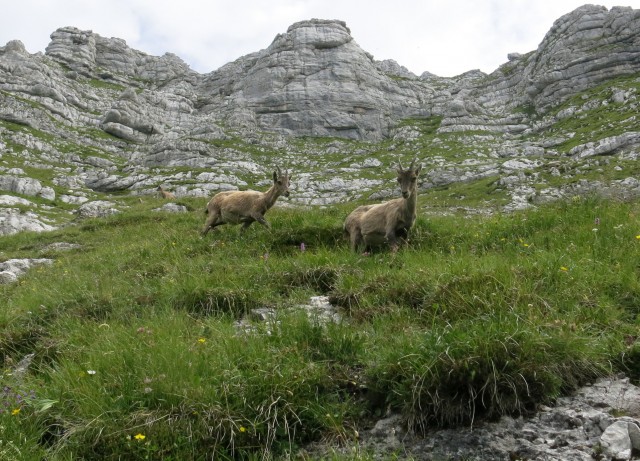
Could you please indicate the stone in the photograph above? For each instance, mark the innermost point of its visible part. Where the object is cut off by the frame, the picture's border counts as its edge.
(12, 269)
(26, 186)
(10, 200)
(13, 221)
(62, 246)
(7, 277)
(172, 208)
(616, 441)
(97, 209)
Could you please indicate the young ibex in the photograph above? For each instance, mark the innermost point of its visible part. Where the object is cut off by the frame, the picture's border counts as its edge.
(165, 194)
(388, 222)
(236, 207)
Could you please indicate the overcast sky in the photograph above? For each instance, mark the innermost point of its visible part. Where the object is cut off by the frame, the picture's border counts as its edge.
(444, 37)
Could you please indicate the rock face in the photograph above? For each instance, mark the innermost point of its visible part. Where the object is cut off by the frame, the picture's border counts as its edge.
(315, 80)
(583, 48)
(91, 116)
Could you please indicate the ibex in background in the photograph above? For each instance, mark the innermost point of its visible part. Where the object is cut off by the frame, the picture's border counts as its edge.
(165, 194)
(388, 222)
(245, 207)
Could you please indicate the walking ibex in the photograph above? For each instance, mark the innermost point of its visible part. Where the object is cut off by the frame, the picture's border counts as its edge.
(388, 222)
(245, 207)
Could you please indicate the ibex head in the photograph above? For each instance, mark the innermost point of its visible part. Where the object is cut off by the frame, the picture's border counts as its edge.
(281, 182)
(407, 178)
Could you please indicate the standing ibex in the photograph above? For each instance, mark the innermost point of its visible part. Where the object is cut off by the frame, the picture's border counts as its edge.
(235, 207)
(165, 193)
(388, 222)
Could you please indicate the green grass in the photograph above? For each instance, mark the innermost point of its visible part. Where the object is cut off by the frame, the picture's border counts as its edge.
(135, 333)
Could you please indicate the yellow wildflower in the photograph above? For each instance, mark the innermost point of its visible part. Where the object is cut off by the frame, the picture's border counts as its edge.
(243, 429)
(202, 340)
(15, 412)
(139, 436)
(564, 269)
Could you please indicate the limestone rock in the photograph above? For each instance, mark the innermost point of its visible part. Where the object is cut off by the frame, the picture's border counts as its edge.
(12, 269)
(316, 80)
(617, 440)
(13, 221)
(172, 208)
(97, 209)
(26, 186)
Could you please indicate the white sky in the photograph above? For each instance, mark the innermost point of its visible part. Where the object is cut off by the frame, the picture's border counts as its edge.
(444, 37)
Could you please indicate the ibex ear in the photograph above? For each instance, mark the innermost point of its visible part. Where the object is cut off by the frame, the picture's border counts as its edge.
(275, 176)
(418, 168)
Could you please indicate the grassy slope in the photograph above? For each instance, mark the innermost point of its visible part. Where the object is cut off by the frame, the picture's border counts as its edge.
(134, 333)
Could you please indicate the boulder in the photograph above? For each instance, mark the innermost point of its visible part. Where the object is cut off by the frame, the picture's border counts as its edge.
(12, 269)
(97, 209)
(13, 221)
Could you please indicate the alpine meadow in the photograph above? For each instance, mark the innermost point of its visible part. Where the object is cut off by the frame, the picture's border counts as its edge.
(129, 333)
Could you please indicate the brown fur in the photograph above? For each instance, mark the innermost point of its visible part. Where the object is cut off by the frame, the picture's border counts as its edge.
(388, 222)
(165, 194)
(245, 207)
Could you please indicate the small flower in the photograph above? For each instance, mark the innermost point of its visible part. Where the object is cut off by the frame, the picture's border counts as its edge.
(564, 269)
(243, 429)
(597, 221)
(202, 340)
(595, 229)
(637, 237)
(15, 412)
(140, 437)
(302, 247)
(91, 372)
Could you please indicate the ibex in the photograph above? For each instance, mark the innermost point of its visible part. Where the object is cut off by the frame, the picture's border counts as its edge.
(388, 222)
(165, 194)
(245, 207)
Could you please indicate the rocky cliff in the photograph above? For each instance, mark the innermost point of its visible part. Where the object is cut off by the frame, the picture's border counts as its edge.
(91, 116)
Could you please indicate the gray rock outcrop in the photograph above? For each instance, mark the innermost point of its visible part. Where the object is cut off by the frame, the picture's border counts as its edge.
(13, 220)
(315, 80)
(91, 116)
